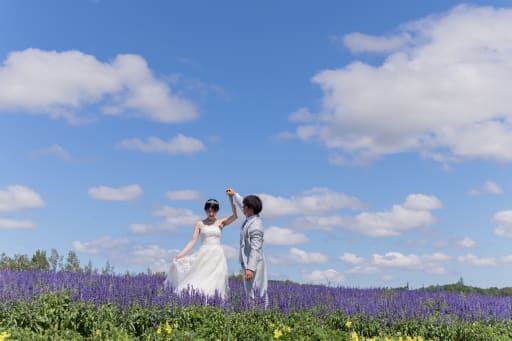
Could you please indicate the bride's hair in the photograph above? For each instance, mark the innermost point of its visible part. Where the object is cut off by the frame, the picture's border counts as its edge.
(211, 203)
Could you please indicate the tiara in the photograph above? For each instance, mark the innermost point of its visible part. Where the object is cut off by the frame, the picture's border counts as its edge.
(212, 201)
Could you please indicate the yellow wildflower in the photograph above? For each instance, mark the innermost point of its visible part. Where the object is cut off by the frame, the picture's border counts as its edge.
(159, 331)
(287, 329)
(348, 324)
(4, 335)
(354, 337)
(168, 328)
(277, 334)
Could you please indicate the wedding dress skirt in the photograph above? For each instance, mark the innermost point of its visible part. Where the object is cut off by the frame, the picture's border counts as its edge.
(205, 270)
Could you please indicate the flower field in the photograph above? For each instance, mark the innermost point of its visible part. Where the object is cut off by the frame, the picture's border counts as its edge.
(36, 305)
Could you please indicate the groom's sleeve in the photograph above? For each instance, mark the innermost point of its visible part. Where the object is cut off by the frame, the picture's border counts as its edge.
(239, 200)
(256, 242)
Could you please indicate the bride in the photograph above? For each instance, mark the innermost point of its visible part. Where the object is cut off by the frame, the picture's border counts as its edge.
(205, 270)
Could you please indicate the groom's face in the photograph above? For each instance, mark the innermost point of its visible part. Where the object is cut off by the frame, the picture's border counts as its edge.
(247, 211)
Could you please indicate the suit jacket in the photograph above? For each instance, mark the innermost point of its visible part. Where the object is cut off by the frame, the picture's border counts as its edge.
(251, 252)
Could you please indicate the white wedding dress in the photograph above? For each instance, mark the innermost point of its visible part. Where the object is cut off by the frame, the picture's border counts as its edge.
(205, 270)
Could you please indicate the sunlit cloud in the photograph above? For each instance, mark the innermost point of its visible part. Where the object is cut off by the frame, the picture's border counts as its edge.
(413, 213)
(324, 277)
(18, 197)
(125, 193)
(489, 187)
(466, 242)
(174, 218)
(54, 150)
(282, 236)
(122, 251)
(478, 261)
(351, 258)
(504, 221)
(440, 92)
(433, 264)
(13, 224)
(297, 256)
(60, 84)
(316, 200)
(186, 194)
(180, 144)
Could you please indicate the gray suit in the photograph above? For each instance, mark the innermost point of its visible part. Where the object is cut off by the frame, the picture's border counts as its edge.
(251, 255)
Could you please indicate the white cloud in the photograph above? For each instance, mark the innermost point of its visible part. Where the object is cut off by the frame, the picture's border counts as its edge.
(441, 91)
(180, 144)
(185, 194)
(11, 224)
(351, 258)
(231, 252)
(173, 219)
(415, 212)
(317, 200)
(297, 256)
(429, 263)
(477, 261)
(283, 136)
(489, 187)
(282, 236)
(325, 277)
(421, 202)
(177, 216)
(359, 42)
(365, 269)
(387, 278)
(302, 115)
(473, 192)
(492, 188)
(466, 242)
(323, 223)
(126, 252)
(504, 221)
(54, 150)
(142, 228)
(126, 193)
(96, 246)
(397, 260)
(60, 83)
(18, 197)
(401, 218)
(432, 264)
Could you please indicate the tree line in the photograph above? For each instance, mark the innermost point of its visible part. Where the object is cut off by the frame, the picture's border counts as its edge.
(53, 262)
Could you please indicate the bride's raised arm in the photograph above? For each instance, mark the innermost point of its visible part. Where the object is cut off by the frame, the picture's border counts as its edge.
(233, 215)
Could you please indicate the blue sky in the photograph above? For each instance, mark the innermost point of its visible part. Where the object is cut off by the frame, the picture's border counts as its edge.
(378, 135)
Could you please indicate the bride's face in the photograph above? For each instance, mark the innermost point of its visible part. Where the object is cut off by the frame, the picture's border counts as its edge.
(210, 213)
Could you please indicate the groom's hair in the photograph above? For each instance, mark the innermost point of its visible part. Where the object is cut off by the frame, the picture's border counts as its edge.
(254, 202)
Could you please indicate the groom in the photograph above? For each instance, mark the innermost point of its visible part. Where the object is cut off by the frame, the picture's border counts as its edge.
(252, 260)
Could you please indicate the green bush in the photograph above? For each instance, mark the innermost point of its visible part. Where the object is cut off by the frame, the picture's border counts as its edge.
(54, 316)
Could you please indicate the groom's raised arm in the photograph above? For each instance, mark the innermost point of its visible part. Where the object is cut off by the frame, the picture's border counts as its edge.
(239, 200)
